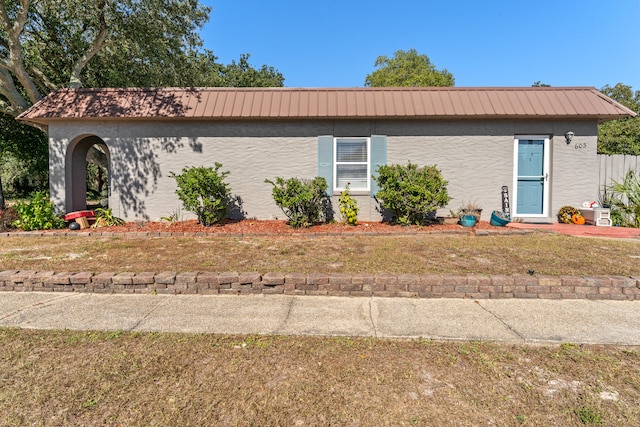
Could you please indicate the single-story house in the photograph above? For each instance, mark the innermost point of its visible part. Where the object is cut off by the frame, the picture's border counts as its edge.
(540, 142)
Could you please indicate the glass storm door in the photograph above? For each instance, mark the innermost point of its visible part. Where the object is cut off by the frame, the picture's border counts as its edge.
(531, 176)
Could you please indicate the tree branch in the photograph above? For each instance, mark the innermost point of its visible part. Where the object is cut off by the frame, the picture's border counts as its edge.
(15, 60)
(17, 102)
(98, 43)
(5, 64)
(4, 17)
(13, 31)
(43, 80)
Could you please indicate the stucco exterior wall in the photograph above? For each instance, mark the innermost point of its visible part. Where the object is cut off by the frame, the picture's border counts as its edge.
(475, 157)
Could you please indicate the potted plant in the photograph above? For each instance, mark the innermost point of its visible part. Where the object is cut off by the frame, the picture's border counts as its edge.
(468, 220)
(499, 219)
(470, 208)
(452, 218)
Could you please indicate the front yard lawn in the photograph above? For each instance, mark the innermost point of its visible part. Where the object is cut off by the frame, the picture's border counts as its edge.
(130, 379)
(412, 254)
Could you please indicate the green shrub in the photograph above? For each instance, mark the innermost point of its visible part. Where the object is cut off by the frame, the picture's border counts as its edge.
(411, 194)
(203, 191)
(348, 207)
(301, 200)
(106, 218)
(37, 213)
(624, 200)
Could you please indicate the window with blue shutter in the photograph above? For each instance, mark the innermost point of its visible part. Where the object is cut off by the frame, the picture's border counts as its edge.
(325, 160)
(351, 161)
(378, 158)
(351, 164)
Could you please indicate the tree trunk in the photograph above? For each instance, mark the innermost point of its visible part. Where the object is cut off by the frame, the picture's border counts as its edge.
(2, 204)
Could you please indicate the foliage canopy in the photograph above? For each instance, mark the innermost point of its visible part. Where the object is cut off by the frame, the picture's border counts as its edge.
(49, 44)
(621, 136)
(407, 68)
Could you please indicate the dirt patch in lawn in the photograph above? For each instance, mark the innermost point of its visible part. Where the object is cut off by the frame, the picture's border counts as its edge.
(117, 378)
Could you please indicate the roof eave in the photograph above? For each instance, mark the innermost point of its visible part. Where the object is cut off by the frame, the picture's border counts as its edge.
(36, 122)
(45, 121)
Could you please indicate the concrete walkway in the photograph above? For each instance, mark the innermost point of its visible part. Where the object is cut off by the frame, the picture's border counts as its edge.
(504, 320)
(581, 230)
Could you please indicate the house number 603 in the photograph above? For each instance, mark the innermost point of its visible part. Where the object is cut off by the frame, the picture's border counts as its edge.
(580, 146)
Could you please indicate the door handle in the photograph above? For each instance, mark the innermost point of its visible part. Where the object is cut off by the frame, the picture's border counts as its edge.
(546, 176)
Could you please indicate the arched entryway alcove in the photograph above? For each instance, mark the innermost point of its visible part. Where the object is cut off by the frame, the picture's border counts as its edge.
(81, 152)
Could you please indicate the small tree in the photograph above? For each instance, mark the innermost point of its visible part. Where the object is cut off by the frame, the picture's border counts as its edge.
(301, 200)
(203, 191)
(411, 193)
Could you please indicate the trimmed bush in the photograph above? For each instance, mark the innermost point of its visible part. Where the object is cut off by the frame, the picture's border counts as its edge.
(301, 200)
(203, 191)
(37, 213)
(411, 194)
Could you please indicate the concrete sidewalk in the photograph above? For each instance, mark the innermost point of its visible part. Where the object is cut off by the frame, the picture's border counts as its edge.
(580, 230)
(510, 321)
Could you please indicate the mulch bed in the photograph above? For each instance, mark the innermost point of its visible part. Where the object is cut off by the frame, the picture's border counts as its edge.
(274, 227)
(281, 227)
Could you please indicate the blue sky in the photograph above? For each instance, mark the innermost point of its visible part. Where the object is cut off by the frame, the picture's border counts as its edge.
(334, 43)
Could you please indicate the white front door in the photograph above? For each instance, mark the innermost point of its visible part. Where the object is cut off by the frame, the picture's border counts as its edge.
(531, 176)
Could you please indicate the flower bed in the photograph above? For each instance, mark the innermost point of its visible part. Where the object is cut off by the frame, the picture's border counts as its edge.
(267, 227)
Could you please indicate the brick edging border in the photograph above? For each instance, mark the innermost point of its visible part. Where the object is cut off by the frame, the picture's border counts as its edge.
(142, 234)
(361, 284)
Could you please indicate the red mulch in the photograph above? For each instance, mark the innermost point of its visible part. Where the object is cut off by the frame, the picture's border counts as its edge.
(259, 227)
(262, 227)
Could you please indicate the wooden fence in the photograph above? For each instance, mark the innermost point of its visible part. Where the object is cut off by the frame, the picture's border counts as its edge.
(615, 167)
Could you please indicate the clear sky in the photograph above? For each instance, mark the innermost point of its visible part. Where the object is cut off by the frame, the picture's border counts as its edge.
(334, 43)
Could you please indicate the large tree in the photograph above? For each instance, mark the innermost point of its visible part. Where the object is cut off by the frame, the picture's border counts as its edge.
(49, 44)
(621, 136)
(407, 68)
(241, 74)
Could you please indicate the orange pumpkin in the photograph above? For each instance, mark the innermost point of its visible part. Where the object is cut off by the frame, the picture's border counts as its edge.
(577, 219)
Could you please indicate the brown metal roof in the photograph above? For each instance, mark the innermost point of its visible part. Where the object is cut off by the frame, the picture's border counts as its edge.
(317, 103)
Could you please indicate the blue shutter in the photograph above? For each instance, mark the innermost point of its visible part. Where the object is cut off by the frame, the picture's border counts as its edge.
(325, 160)
(378, 158)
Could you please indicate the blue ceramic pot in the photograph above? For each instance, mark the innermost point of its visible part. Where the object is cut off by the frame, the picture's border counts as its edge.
(498, 219)
(468, 220)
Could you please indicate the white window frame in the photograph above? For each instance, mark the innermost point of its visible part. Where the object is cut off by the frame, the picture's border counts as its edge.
(546, 175)
(336, 163)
